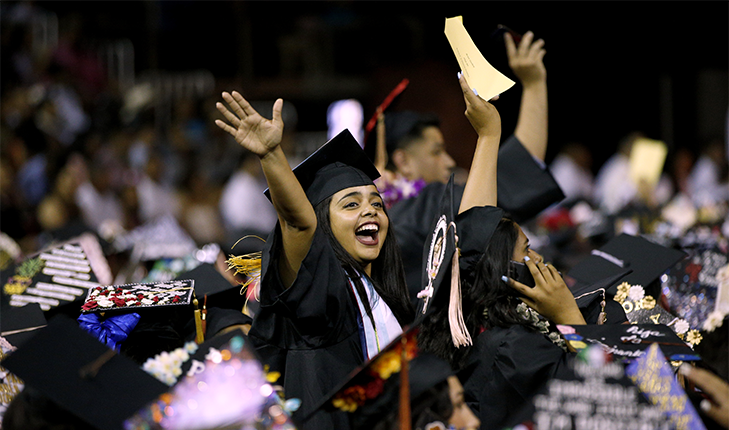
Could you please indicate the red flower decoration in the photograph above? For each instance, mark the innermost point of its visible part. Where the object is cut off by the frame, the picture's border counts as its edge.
(91, 304)
(119, 302)
(176, 299)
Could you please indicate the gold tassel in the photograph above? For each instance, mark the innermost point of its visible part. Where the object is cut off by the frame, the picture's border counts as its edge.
(199, 334)
(459, 332)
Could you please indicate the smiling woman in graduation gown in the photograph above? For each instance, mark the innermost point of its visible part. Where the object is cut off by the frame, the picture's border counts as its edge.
(332, 290)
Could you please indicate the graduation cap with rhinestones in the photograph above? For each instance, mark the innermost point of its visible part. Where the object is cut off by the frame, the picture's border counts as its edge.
(338, 164)
(225, 386)
(81, 375)
(57, 278)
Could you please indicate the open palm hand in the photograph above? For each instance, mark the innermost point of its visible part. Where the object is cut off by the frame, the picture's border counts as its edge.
(252, 131)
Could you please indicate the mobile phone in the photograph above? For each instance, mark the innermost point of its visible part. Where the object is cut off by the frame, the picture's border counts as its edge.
(519, 272)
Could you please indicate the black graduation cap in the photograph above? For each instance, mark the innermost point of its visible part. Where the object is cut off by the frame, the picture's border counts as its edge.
(592, 297)
(647, 260)
(220, 292)
(373, 391)
(438, 252)
(18, 324)
(57, 278)
(80, 374)
(629, 341)
(569, 399)
(338, 164)
(223, 385)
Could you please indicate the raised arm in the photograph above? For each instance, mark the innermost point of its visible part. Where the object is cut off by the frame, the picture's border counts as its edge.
(480, 189)
(263, 137)
(526, 61)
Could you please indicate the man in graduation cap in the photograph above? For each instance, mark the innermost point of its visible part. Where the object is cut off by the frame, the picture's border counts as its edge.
(416, 152)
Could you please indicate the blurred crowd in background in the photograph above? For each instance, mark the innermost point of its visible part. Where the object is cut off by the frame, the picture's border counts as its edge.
(85, 150)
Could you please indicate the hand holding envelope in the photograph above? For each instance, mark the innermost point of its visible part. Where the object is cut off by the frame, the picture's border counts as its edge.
(484, 79)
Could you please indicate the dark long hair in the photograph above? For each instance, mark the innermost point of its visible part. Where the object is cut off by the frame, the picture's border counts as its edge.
(388, 273)
(482, 290)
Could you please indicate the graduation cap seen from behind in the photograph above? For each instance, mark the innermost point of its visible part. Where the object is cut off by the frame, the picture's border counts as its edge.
(647, 260)
(211, 283)
(570, 401)
(80, 374)
(338, 164)
(18, 324)
(592, 297)
(58, 277)
(224, 385)
(375, 391)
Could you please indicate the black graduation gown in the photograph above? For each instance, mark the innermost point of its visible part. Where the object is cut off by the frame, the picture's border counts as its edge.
(308, 332)
(505, 369)
(524, 189)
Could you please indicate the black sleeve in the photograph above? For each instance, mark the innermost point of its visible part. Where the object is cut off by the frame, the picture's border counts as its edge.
(525, 188)
(316, 310)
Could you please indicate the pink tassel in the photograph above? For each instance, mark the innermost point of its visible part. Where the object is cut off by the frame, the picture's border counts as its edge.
(459, 332)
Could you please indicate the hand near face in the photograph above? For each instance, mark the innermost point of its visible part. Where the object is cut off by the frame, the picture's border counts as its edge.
(550, 296)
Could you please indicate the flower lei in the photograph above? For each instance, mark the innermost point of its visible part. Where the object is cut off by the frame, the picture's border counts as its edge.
(398, 189)
(372, 382)
(167, 366)
(541, 324)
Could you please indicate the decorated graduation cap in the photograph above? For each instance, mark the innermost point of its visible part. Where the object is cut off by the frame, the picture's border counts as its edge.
(647, 260)
(440, 261)
(628, 341)
(81, 375)
(160, 238)
(626, 397)
(401, 374)
(338, 164)
(58, 277)
(224, 386)
(445, 252)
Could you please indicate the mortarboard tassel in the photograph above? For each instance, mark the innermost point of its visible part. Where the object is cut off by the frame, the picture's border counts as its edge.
(199, 334)
(405, 418)
(381, 146)
(459, 332)
(205, 316)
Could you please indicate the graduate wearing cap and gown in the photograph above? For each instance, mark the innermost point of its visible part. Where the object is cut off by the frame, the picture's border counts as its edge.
(415, 150)
(487, 328)
(332, 290)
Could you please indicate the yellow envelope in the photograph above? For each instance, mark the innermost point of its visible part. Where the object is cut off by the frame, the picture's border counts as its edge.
(482, 76)
(646, 160)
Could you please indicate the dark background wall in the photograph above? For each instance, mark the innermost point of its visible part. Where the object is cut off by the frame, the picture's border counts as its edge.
(613, 67)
